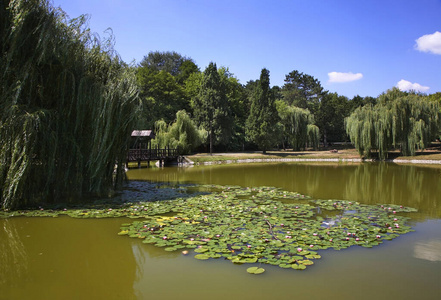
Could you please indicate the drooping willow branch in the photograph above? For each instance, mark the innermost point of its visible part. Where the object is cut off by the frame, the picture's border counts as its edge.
(67, 106)
(407, 122)
(298, 124)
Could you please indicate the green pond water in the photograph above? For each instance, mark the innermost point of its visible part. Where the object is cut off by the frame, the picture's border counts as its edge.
(67, 258)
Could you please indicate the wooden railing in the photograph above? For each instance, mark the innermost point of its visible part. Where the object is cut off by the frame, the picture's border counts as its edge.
(151, 154)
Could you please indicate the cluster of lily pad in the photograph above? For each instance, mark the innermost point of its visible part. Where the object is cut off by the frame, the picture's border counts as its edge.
(253, 225)
(261, 225)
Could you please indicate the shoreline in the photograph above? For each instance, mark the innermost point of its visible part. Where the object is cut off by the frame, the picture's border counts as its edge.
(260, 160)
(344, 156)
(339, 160)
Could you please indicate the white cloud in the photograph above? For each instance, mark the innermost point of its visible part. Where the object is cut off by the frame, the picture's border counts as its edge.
(405, 85)
(344, 77)
(429, 43)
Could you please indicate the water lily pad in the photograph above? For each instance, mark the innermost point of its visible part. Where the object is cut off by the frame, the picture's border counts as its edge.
(202, 256)
(171, 249)
(243, 260)
(306, 262)
(285, 266)
(298, 266)
(201, 250)
(214, 255)
(255, 270)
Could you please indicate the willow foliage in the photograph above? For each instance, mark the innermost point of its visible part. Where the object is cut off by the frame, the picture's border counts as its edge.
(313, 133)
(299, 126)
(182, 134)
(67, 105)
(399, 120)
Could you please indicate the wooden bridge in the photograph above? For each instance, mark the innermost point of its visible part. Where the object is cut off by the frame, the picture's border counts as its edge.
(147, 155)
(141, 150)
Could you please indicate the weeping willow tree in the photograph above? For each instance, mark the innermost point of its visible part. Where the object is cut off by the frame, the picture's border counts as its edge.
(313, 133)
(400, 120)
(298, 124)
(182, 134)
(67, 104)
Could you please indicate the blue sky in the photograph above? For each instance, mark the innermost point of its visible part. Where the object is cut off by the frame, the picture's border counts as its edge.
(352, 47)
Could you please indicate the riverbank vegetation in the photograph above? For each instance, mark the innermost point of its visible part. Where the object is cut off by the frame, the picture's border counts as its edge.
(341, 153)
(68, 105)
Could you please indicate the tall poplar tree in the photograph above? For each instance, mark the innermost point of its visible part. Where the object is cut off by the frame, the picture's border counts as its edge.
(211, 109)
(261, 123)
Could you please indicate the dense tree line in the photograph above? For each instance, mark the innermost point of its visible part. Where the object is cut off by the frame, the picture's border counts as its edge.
(235, 116)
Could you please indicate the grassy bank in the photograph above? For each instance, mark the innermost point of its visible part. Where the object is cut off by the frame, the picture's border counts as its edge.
(432, 154)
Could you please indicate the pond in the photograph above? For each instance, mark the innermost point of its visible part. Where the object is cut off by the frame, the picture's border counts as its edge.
(66, 258)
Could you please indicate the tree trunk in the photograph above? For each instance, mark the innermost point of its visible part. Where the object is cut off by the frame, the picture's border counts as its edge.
(211, 141)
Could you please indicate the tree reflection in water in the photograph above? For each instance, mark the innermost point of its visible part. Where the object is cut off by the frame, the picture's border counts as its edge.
(13, 255)
(369, 183)
(412, 186)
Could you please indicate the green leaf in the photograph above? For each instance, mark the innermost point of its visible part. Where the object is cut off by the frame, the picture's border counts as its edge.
(170, 249)
(298, 267)
(255, 270)
(201, 250)
(202, 256)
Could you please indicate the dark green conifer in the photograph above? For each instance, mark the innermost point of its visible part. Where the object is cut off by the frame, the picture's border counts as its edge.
(211, 109)
(261, 127)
